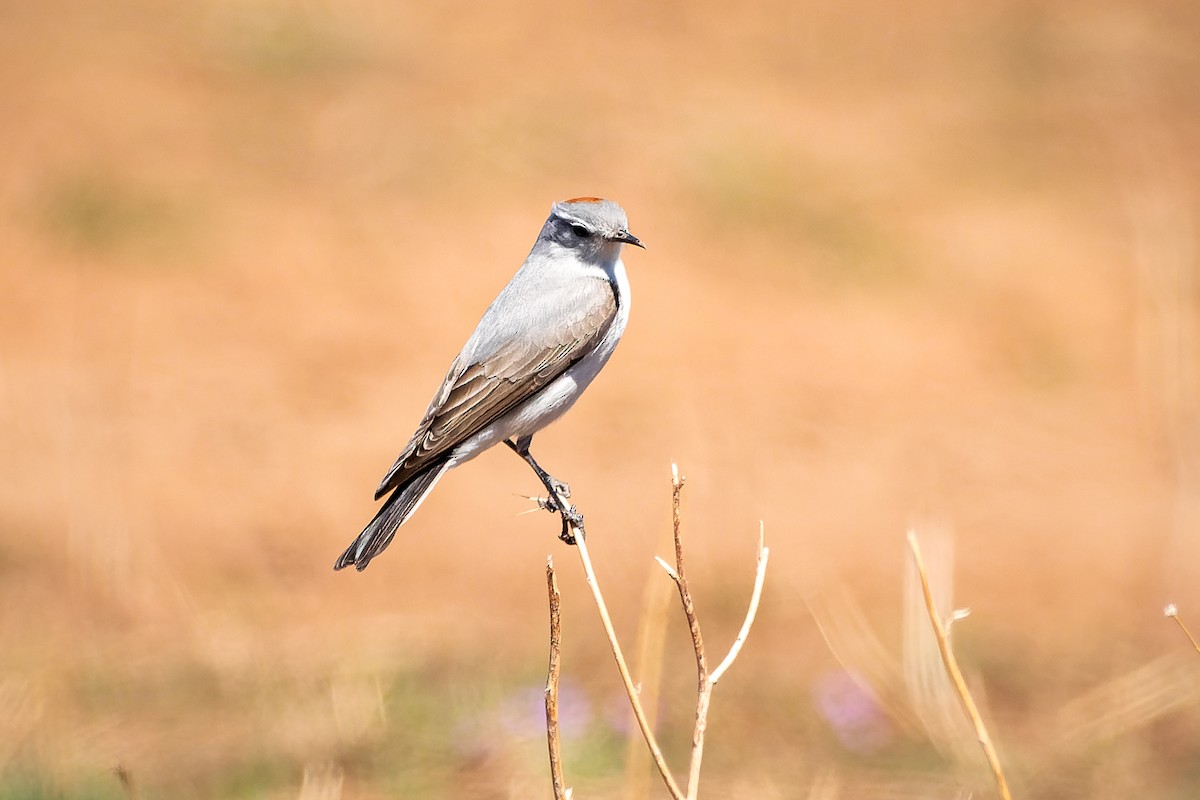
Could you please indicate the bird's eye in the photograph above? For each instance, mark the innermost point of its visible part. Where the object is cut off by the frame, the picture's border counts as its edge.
(580, 231)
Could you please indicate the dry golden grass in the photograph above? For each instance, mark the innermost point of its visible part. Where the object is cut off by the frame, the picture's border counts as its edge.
(932, 263)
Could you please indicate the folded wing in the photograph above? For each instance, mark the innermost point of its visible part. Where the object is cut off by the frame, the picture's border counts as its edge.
(542, 336)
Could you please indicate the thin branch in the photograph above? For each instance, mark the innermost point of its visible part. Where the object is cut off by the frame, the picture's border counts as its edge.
(955, 674)
(630, 689)
(760, 575)
(705, 680)
(667, 568)
(552, 739)
(1173, 612)
(703, 684)
(685, 595)
(647, 664)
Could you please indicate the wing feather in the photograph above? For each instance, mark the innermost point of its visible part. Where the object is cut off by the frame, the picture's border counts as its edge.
(478, 390)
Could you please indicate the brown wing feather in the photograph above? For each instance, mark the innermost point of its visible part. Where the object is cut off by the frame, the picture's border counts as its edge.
(476, 394)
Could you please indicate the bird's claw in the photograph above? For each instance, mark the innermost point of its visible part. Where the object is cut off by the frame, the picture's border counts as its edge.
(572, 521)
(554, 503)
(542, 504)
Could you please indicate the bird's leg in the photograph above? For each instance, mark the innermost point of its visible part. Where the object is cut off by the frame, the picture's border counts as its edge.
(559, 491)
(552, 484)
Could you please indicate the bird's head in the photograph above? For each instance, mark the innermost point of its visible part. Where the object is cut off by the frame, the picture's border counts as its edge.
(592, 228)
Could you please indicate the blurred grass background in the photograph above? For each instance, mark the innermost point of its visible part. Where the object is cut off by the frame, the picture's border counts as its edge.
(932, 266)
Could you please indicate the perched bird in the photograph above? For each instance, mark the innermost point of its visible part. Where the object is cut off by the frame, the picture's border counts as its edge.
(539, 344)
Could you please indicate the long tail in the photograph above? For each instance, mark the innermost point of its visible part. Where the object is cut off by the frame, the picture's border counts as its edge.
(391, 515)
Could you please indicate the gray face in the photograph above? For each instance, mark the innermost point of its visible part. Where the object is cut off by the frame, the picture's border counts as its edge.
(588, 226)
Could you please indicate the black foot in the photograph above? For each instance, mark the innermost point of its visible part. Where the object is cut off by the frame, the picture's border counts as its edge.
(572, 521)
(561, 489)
(571, 518)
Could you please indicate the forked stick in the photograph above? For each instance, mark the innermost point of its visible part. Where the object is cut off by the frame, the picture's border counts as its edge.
(630, 689)
(706, 680)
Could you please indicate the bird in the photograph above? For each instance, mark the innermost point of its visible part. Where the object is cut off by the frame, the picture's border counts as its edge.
(537, 347)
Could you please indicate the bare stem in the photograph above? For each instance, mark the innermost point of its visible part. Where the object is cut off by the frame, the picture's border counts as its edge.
(648, 666)
(955, 674)
(703, 684)
(552, 738)
(705, 680)
(760, 574)
(1173, 612)
(630, 688)
(680, 578)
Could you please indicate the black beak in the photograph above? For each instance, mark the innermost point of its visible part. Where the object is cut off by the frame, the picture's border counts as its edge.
(625, 237)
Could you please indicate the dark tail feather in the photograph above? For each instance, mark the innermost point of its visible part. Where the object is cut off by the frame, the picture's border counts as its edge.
(392, 514)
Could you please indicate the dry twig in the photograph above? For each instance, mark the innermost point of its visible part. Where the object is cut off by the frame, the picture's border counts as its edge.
(703, 684)
(648, 650)
(630, 689)
(955, 674)
(706, 680)
(552, 740)
(760, 575)
(1173, 612)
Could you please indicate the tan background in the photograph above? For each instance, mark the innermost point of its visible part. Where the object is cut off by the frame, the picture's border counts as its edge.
(930, 265)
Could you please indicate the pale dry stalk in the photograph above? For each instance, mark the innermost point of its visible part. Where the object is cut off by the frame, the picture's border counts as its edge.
(552, 737)
(955, 674)
(631, 691)
(705, 680)
(1173, 612)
